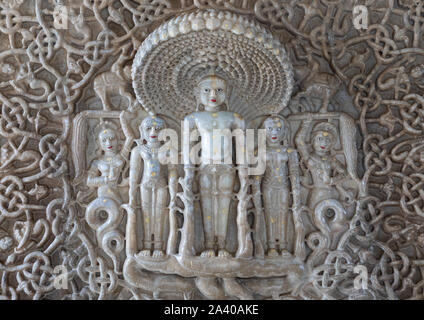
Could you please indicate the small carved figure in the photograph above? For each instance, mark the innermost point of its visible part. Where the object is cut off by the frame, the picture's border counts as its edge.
(115, 81)
(79, 22)
(9, 153)
(103, 214)
(327, 172)
(153, 186)
(6, 241)
(281, 162)
(216, 176)
(105, 171)
(316, 84)
(417, 74)
(7, 69)
(275, 189)
(26, 79)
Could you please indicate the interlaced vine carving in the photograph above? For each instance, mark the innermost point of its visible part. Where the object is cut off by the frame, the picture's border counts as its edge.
(48, 75)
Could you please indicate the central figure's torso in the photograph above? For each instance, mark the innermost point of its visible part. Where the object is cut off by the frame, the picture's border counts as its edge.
(215, 130)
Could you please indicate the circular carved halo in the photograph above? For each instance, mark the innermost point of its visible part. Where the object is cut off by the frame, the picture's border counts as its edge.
(175, 56)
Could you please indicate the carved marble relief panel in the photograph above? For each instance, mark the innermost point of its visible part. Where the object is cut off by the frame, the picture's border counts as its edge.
(211, 149)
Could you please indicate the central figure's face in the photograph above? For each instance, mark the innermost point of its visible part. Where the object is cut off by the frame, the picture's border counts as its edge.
(151, 127)
(323, 142)
(108, 140)
(275, 130)
(213, 92)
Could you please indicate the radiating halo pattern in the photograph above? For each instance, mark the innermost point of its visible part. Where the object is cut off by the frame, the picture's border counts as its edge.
(170, 61)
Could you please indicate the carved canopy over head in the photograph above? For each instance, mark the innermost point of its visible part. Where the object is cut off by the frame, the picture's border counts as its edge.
(170, 62)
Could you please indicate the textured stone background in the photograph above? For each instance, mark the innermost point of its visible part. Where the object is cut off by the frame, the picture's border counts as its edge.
(46, 79)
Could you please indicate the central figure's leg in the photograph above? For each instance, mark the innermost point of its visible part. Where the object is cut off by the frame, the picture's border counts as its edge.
(146, 206)
(225, 191)
(206, 202)
(160, 212)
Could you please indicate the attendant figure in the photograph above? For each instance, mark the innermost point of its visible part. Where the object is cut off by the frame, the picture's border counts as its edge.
(155, 179)
(327, 172)
(105, 170)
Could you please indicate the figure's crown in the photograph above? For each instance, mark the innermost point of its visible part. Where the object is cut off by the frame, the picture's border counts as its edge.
(104, 125)
(212, 72)
(325, 127)
(152, 120)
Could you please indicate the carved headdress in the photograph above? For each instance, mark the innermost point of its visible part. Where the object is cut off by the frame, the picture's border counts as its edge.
(284, 122)
(213, 72)
(104, 125)
(148, 122)
(325, 127)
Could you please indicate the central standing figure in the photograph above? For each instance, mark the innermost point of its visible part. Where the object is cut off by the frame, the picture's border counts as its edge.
(215, 126)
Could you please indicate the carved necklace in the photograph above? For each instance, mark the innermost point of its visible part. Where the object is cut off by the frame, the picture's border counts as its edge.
(110, 158)
(149, 149)
(277, 149)
(214, 114)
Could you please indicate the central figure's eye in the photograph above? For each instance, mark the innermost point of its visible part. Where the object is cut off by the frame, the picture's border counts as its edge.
(220, 90)
(148, 128)
(206, 90)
